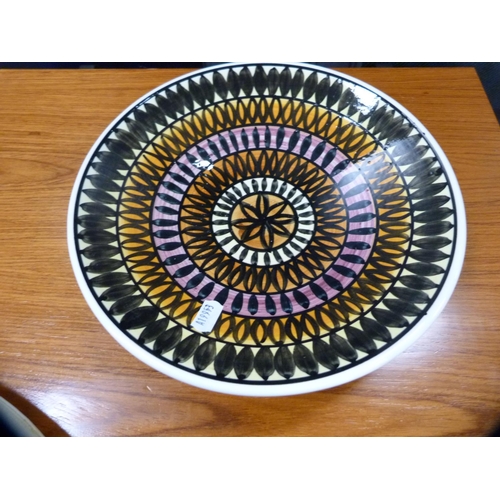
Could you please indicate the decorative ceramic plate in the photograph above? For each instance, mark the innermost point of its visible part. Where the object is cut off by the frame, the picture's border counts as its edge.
(266, 229)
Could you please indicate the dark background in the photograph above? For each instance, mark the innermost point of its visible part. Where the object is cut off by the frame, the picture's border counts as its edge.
(488, 72)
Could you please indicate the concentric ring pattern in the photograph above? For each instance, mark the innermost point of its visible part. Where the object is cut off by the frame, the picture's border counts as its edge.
(310, 207)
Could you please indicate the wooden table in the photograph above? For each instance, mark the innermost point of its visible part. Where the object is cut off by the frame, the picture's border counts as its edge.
(60, 367)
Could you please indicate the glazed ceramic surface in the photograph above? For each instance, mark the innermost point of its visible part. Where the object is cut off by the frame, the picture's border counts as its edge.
(14, 424)
(266, 229)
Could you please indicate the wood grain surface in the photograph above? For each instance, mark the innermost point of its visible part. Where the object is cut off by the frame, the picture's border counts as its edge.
(67, 374)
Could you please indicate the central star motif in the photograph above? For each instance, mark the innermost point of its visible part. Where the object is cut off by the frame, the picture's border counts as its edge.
(263, 221)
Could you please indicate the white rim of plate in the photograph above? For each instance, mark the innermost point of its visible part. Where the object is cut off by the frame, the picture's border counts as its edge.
(289, 388)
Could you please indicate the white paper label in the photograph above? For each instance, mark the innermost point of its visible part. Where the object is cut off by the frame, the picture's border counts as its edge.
(207, 316)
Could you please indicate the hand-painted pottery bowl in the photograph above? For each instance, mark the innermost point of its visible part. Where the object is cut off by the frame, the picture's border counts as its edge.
(266, 229)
